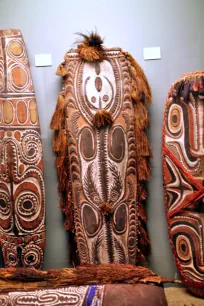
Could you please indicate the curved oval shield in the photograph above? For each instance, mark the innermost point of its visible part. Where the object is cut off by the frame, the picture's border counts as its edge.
(22, 196)
(183, 174)
(103, 153)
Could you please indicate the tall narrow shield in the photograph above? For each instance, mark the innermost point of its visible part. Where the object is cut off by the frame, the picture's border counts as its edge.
(22, 198)
(183, 170)
(102, 153)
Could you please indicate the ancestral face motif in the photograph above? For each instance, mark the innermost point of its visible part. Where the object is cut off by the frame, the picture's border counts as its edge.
(98, 88)
(102, 161)
(22, 203)
(183, 146)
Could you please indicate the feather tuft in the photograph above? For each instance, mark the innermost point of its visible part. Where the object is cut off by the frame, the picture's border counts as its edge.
(58, 117)
(102, 118)
(93, 39)
(91, 47)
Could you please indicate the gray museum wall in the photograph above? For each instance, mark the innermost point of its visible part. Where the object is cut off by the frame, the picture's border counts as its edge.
(48, 26)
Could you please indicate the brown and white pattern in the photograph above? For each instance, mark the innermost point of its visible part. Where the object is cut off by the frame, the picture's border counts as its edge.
(183, 167)
(22, 195)
(103, 169)
(107, 295)
(102, 153)
(73, 296)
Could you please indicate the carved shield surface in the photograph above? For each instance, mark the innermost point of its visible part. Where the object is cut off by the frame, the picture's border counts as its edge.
(183, 169)
(93, 295)
(102, 161)
(103, 195)
(22, 196)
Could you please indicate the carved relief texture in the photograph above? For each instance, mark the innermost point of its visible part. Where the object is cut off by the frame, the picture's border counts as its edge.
(183, 169)
(22, 203)
(104, 191)
(68, 296)
(121, 294)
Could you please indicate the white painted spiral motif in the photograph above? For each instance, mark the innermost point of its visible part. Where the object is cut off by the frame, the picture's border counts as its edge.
(10, 253)
(72, 296)
(32, 256)
(5, 205)
(31, 147)
(28, 206)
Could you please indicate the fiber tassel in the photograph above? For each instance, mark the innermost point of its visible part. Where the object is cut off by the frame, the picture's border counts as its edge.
(142, 212)
(142, 190)
(59, 141)
(69, 215)
(143, 169)
(55, 142)
(142, 144)
(141, 95)
(60, 147)
(141, 261)
(143, 238)
(102, 118)
(57, 119)
(141, 123)
(63, 141)
(61, 164)
(141, 116)
(140, 84)
(144, 241)
(61, 71)
(64, 189)
(28, 279)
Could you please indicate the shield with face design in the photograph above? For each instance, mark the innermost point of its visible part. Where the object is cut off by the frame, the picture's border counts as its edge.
(183, 170)
(22, 195)
(102, 153)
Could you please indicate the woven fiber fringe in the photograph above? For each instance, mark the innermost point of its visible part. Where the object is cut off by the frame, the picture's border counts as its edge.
(141, 96)
(91, 49)
(60, 148)
(30, 279)
(140, 86)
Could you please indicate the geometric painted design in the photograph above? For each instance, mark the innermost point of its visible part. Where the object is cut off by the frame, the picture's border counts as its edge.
(22, 194)
(69, 296)
(183, 171)
(94, 295)
(102, 161)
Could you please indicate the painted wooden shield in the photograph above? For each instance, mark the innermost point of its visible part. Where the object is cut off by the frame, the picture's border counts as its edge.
(183, 170)
(22, 202)
(103, 169)
(92, 295)
(102, 154)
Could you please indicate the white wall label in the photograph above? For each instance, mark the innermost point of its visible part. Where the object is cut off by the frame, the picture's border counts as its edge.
(43, 60)
(152, 53)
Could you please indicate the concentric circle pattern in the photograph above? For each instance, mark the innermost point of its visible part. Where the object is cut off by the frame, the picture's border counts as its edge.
(183, 170)
(32, 256)
(22, 194)
(31, 146)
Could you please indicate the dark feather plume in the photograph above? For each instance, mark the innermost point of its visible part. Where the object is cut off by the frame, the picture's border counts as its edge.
(92, 39)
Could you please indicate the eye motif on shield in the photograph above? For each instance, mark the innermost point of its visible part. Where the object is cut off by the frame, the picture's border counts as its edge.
(104, 160)
(98, 87)
(99, 91)
(103, 157)
(183, 168)
(22, 201)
